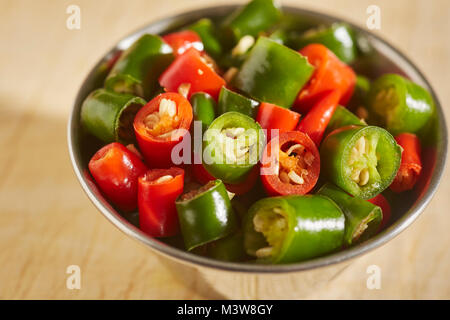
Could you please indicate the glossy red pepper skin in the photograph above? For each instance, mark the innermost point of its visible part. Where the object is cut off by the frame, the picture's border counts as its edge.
(116, 170)
(381, 201)
(271, 116)
(411, 165)
(316, 120)
(183, 40)
(157, 213)
(330, 74)
(269, 173)
(157, 150)
(191, 68)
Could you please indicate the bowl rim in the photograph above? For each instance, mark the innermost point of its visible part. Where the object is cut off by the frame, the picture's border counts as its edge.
(185, 257)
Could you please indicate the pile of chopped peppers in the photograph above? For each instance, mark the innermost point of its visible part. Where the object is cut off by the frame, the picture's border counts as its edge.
(287, 153)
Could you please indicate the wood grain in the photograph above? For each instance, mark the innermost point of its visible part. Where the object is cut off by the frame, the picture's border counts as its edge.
(47, 223)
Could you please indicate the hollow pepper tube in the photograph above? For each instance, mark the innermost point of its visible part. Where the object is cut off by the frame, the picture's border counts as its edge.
(338, 38)
(398, 104)
(194, 69)
(330, 74)
(109, 115)
(361, 160)
(158, 190)
(256, 16)
(183, 40)
(275, 119)
(138, 68)
(205, 215)
(204, 108)
(273, 73)
(160, 125)
(116, 170)
(208, 33)
(342, 117)
(411, 164)
(233, 101)
(316, 120)
(362, 218)
(290, 164)
(232, 146)
(293, 228)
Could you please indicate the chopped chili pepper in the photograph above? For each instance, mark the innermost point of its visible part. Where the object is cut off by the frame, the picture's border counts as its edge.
(160, 125)
(208, 33)
(193, 68)
(316, 120)
(290, 164)
(233, 101)
(203, 107)
(342, 117)
(116, 170)
(183, 40)
(411, 165)
(158, 190)
(381, 201)
(272, 117)
(330, 74)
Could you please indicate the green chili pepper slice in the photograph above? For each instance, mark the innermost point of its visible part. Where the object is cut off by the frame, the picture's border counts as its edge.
(232, 146)
(293, 228)
(362, 218)
(273, 73)
(361, 160)
(109, 115)
(230, 248)
(233, 101)
(208, 33)
(342, 117)
(338, 38)
(205, 214)
(256, 16)
(399, 105)
(203, 107)
(139, 67)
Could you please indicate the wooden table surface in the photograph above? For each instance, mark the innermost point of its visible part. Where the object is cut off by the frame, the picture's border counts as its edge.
(46, 221)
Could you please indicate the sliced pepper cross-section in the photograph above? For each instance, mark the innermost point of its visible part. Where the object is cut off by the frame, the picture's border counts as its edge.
(160, 125)
(293, 228)
(195, 69)
(290, 164)
(205, 214)
(273, 73)
(361, 160)
(232, 146)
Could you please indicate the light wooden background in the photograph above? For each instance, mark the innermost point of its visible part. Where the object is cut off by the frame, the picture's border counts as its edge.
(46, 221)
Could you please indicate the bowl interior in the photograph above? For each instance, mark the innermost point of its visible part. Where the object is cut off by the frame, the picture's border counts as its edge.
(384, 59)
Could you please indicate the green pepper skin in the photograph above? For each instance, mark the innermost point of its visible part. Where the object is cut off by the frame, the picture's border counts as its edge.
(273, 73)
(315, 226)
(342, 117)
(139, 67)
(207, 32)
(203, 107)
(109, 115)
(360, 93)
(382, 160)
(213, 156)
(338, 38)
(206, 217)
(406, 109)
(256, 16)
(230, 248)
(357, 213)
(233, 101)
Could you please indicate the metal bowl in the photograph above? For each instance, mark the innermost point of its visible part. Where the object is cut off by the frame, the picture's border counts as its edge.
(298, 277)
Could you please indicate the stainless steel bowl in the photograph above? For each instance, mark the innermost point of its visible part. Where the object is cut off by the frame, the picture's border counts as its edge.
(217, 278)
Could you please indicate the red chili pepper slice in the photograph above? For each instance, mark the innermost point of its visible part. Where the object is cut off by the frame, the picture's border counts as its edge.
(330, 74)
(116, 170)
(271, 116)
(290, 164)
(316, 120)
(381, 201)
(183, 40)
(411, 164)
(158, 127)
(193, 68)
(158, 190)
